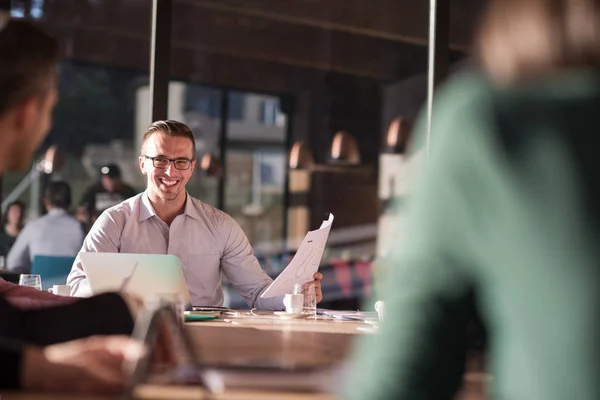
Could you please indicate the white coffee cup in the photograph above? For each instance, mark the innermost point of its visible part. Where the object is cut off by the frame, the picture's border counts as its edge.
(293, 303)
(61, 290)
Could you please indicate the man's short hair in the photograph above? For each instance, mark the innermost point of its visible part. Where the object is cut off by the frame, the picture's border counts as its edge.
(58, 194)
(170, 128)
(28, 58)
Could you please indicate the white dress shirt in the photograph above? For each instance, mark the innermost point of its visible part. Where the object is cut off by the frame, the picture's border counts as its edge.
(55, 234)
(206, 240)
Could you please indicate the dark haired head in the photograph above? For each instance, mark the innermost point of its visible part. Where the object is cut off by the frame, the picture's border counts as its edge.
(27, 64)
(58, 194)
(28, 90)
(170, 128)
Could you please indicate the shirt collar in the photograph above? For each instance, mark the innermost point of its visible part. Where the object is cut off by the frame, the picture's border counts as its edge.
(147, 211)
(190, 208)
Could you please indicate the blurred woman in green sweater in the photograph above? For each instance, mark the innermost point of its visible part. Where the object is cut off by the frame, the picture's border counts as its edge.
(505, 217)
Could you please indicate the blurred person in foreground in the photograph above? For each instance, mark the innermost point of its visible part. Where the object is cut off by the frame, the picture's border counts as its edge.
(505, 217)
(32, 322)
(13, 222)
(108, 192)
(55, 234)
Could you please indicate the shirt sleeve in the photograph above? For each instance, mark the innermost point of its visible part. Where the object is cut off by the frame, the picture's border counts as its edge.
(105, 314)
(19, 257)
(242, 269)
(421, 349)
(104, 237)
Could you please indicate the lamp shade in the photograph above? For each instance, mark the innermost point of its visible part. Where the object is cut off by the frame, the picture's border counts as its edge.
(344, 149)
(397, 136)
(300, 156)
(209, 165)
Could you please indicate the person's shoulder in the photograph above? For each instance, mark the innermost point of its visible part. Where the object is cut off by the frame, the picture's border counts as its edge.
(210, 213)
(124, 208)
(205, 208)
(465, 89)
(456, 102)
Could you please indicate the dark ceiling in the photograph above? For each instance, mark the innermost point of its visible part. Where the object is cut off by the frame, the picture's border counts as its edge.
(225, 41)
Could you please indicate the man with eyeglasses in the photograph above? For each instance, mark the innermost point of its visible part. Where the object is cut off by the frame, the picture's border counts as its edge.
(165, 219)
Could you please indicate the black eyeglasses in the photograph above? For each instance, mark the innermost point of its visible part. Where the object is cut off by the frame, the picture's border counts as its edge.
(163, 162)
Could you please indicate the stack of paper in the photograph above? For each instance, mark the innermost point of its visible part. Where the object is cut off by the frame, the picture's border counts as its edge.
(304, 264)
(349, 315)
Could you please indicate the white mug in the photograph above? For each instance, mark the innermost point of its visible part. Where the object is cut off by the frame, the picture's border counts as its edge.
(61, 290)
(293, 303)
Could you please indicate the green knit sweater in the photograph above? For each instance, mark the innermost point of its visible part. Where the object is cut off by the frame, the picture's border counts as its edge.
(505, 217)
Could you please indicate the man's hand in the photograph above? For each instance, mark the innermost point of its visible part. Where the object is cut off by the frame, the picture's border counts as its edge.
(317, 282)
(87, 365)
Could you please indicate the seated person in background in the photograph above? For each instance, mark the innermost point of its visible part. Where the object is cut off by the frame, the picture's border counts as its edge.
(165, 219)
(28, 95)
(13, 221)
(55, 234)
(110, 191)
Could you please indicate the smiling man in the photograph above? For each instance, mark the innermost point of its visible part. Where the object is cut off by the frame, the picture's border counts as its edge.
(165, 219)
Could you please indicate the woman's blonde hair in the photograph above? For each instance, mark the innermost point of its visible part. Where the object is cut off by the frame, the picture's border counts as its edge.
(523, 39)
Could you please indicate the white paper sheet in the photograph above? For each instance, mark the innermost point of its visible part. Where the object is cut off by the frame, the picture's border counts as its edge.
(304, 264)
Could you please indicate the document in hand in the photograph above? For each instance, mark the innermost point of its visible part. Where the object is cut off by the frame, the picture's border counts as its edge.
(304, 264)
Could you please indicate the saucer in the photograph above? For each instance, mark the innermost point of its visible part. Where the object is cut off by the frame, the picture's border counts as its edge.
(286, 315)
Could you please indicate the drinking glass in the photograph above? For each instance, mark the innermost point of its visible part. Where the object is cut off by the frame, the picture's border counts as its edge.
(31, 280)
(310, 299)
(177, 302)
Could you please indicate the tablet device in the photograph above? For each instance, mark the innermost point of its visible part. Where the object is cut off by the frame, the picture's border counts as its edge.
(210, 309)
(216, 378)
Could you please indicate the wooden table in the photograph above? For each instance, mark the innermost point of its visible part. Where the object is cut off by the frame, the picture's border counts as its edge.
(304, 342)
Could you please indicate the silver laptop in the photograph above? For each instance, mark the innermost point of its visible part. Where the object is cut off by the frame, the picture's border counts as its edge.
(143, 275)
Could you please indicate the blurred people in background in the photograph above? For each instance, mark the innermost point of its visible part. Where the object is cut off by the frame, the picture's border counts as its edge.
(108, 192)
(28, 94)
(13, 221)
(55, 234)
(505, 218)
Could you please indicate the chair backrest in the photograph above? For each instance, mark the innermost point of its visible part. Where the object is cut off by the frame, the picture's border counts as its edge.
(53, 269)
